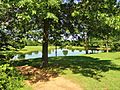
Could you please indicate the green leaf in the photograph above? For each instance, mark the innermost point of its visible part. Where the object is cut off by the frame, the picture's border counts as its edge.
(33, 12)
(52, 16)
(53, 3)
(75, 13)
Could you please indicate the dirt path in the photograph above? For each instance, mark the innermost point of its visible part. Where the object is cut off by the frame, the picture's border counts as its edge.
(58, 83)
(40, 79)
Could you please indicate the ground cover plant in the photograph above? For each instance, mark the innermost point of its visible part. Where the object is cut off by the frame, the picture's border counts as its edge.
(10, 78)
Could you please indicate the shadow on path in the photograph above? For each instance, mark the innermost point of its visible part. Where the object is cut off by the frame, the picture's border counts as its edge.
(87, 66)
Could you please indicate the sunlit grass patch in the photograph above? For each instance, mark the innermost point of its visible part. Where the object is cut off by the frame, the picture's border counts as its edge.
(92, 72)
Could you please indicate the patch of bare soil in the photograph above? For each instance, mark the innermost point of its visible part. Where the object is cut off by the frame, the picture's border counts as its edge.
(35, 75)
(42, 79)
(58, 83)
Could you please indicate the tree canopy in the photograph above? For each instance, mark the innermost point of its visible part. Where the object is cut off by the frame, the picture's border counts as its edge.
(52, 19)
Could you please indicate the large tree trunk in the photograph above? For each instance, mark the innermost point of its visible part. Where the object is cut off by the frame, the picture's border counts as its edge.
(45, 44)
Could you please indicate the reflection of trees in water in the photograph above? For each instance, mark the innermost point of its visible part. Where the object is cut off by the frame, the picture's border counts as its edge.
(94, 51)
(65, 52)
(49, 51)
(36, 52)
(72, 50)
(80, 50)
(30, 53)
(21, 56)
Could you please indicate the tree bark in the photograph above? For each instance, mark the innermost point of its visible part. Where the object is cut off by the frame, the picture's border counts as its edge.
(45, 44)
(56, 50)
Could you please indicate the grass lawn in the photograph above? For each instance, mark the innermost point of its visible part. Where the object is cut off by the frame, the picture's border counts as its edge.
(28, 49)
(91, 72)
(75, 47)
(101, 74)
(26, 87)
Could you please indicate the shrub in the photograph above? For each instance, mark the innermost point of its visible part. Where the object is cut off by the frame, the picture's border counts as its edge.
(116, 47)
(10, 79)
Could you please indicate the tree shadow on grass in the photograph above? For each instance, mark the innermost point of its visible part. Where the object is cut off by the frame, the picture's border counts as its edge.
(87, 66)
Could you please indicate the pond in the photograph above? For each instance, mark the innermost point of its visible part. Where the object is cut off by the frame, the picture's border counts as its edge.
(53, 53)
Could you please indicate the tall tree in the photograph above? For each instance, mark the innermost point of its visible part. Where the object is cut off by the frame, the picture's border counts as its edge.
(44, 13)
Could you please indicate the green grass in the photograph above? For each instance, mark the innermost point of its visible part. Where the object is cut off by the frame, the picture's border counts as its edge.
(28, 49)
(109, 79)
(75, 47)
(91, 72)
(83, 48)
(26, 87)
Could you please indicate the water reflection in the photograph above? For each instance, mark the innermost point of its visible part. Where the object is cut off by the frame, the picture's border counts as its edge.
(30, 53)
(65, 52)
(72, 50)
(36, 52)
(52, 53)
(80, 50)
(21, 56)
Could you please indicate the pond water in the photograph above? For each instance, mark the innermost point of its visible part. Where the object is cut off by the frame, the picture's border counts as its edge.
(52, 53)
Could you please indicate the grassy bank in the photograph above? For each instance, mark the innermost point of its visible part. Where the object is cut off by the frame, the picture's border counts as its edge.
(39, 48)
(91, 72)
(75, 47)
(28, 49)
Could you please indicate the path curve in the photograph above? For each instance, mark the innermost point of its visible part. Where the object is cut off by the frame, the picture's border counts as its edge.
(58, 83)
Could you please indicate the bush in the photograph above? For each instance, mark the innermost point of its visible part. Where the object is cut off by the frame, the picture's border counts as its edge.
(116, 47)
(10, 79)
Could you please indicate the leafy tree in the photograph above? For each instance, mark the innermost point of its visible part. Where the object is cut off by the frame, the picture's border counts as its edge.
(95, 19)
(46, 19)
(25, 16)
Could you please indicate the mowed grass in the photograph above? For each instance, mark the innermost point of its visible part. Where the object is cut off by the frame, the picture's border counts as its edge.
(75, 47)
(106, 75)
(28, 49)
(92, 72)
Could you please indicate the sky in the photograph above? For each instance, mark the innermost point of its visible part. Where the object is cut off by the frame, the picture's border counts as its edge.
(118, 0)
(76, 1)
